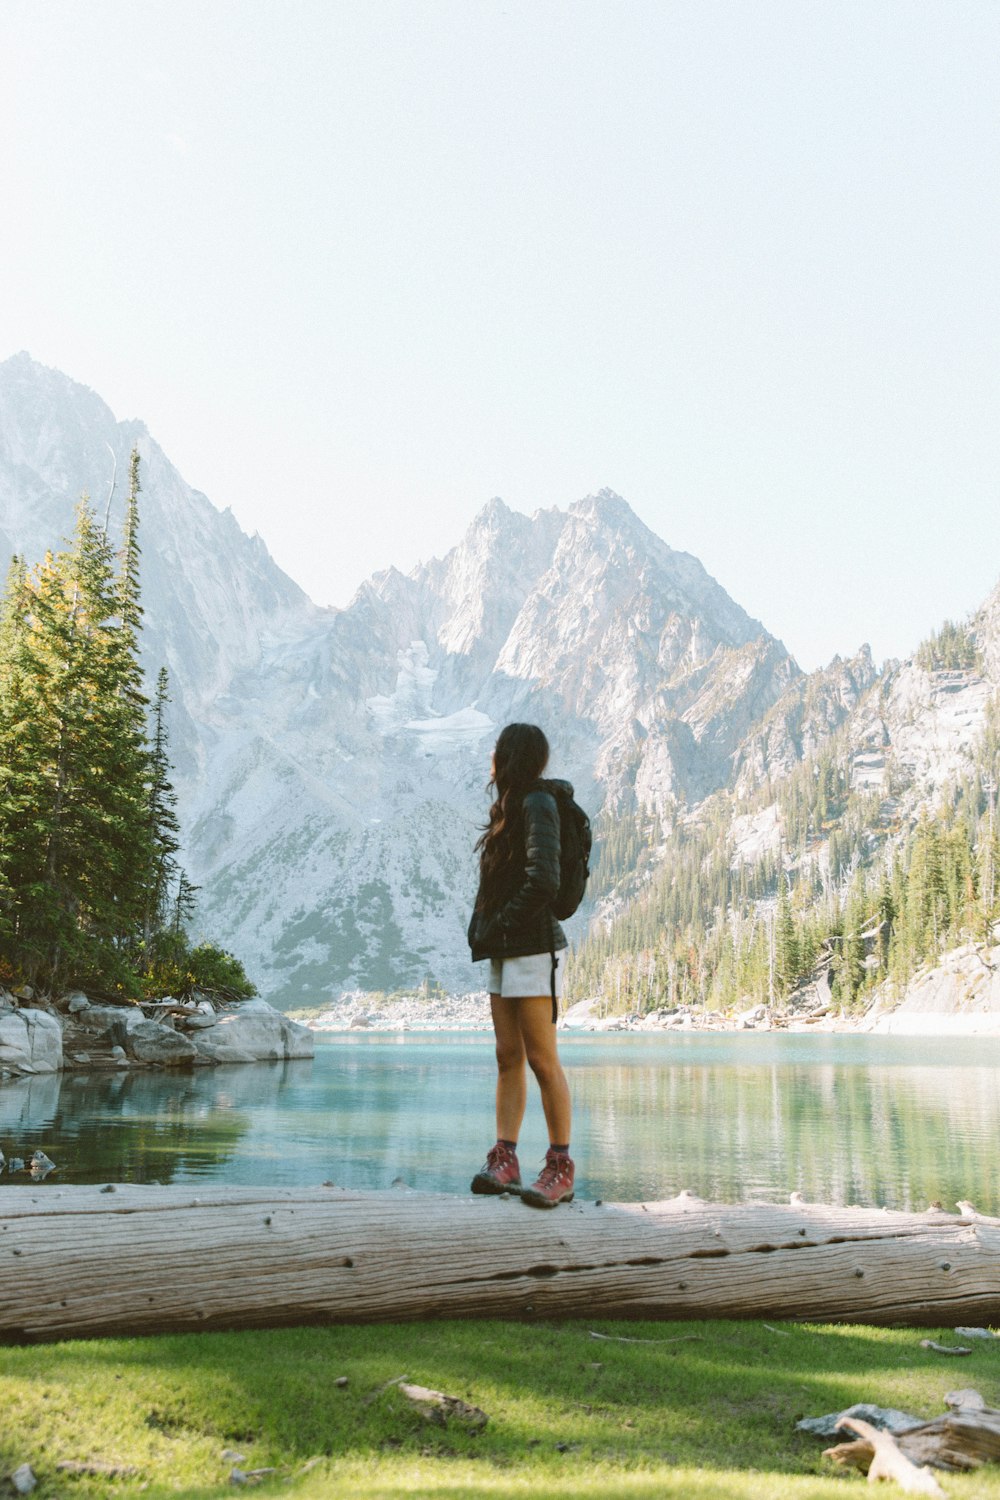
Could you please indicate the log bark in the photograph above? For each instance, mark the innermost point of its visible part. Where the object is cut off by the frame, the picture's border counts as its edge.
(82, 1261)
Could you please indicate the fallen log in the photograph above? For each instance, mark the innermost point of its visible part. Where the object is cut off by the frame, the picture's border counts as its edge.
(83, 1261)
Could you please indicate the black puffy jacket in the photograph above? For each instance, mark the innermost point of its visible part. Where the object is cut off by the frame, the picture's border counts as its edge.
(519, 921)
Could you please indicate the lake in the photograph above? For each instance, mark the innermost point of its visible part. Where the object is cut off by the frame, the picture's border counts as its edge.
(891, 1121)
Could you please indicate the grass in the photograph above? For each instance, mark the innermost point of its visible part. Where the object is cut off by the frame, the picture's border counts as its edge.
(707, 1411)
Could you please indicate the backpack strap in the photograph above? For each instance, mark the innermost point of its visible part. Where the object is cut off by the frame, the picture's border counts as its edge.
(555, 965)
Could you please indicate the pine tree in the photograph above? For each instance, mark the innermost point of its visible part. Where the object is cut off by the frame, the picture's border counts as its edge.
(88, 831)
(987, 854)
(163, 825)
(184, 902)
(786, 956)
(128, 584)
(21, 784)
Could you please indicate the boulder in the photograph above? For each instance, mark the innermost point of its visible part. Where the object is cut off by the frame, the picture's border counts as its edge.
(151, 1042)
(111, 1023)
(30, 1041)
(77, 1002)
(212, 1051)
(257, 1032)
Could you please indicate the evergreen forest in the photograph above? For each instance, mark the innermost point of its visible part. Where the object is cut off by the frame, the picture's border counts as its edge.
(857, 892)
(91, 891)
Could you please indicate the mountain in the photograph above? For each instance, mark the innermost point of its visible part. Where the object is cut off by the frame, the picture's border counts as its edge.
(334, 834)
(857, 843)
(331, 764)
(212, 595)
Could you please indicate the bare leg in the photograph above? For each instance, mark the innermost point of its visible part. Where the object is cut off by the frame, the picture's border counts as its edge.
(512, 1084)
(538, 1035)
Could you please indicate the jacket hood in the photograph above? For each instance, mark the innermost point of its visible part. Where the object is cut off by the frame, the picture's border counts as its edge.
(557, 788)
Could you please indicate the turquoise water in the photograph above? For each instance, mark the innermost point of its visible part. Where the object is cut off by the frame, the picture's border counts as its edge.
(888, 1121)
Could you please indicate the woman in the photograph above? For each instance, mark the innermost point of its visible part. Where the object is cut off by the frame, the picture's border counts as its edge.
(513, 926)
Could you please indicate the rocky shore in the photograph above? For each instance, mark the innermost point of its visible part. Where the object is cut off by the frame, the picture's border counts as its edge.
(361, 1010)
(42, 1035)
(957, 996)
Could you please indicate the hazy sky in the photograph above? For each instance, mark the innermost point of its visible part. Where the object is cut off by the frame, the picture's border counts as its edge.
(361, 265)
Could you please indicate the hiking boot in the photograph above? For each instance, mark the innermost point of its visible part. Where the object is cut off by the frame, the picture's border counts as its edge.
(555, 1182)
(501, 1174)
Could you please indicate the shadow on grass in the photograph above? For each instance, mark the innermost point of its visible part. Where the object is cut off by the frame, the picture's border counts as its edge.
(564, 1408)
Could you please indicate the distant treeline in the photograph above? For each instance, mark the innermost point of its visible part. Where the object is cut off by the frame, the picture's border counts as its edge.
(850, 890)
(91, 893)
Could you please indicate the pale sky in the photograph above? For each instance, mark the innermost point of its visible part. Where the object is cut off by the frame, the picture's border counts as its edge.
(361, 265)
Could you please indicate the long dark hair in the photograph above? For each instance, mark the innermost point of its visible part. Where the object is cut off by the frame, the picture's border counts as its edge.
(519, 758)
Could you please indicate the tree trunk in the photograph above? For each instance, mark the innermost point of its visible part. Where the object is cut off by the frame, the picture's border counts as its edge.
(82, 1261)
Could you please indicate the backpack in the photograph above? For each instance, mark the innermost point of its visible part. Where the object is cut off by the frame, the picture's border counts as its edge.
(575, 843)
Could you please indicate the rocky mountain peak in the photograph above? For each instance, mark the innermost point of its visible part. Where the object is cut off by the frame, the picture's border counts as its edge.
(331, 764)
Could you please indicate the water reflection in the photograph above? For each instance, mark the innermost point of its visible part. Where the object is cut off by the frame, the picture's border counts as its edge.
(895, 1121)
(895, 1136)
(136, 1127)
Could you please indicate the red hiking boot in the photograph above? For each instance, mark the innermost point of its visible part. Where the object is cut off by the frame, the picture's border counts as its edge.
(501, 1174)
(555, 1182)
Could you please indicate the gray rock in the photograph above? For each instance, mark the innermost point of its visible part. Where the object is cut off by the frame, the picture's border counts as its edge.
(220, 1052)
(152, 1042)
(30, 1041)
(25, 992)
(112, 1022)
(258, 1032)
(199, 1022)
(23, 1480)
(77, 1003)
(81, 1057)
(885, 1418)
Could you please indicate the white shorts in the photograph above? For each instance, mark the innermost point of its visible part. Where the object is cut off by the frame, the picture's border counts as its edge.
(519, 978)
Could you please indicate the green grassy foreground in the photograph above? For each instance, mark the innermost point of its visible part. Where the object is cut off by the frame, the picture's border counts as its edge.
(707, 1411)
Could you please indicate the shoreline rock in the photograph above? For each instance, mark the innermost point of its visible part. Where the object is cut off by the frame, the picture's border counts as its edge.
(72, 1034)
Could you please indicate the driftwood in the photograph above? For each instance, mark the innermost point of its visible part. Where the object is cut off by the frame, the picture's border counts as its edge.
(435, 1406)
(881, 1455)
(79, 1261)
(966, 1436)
